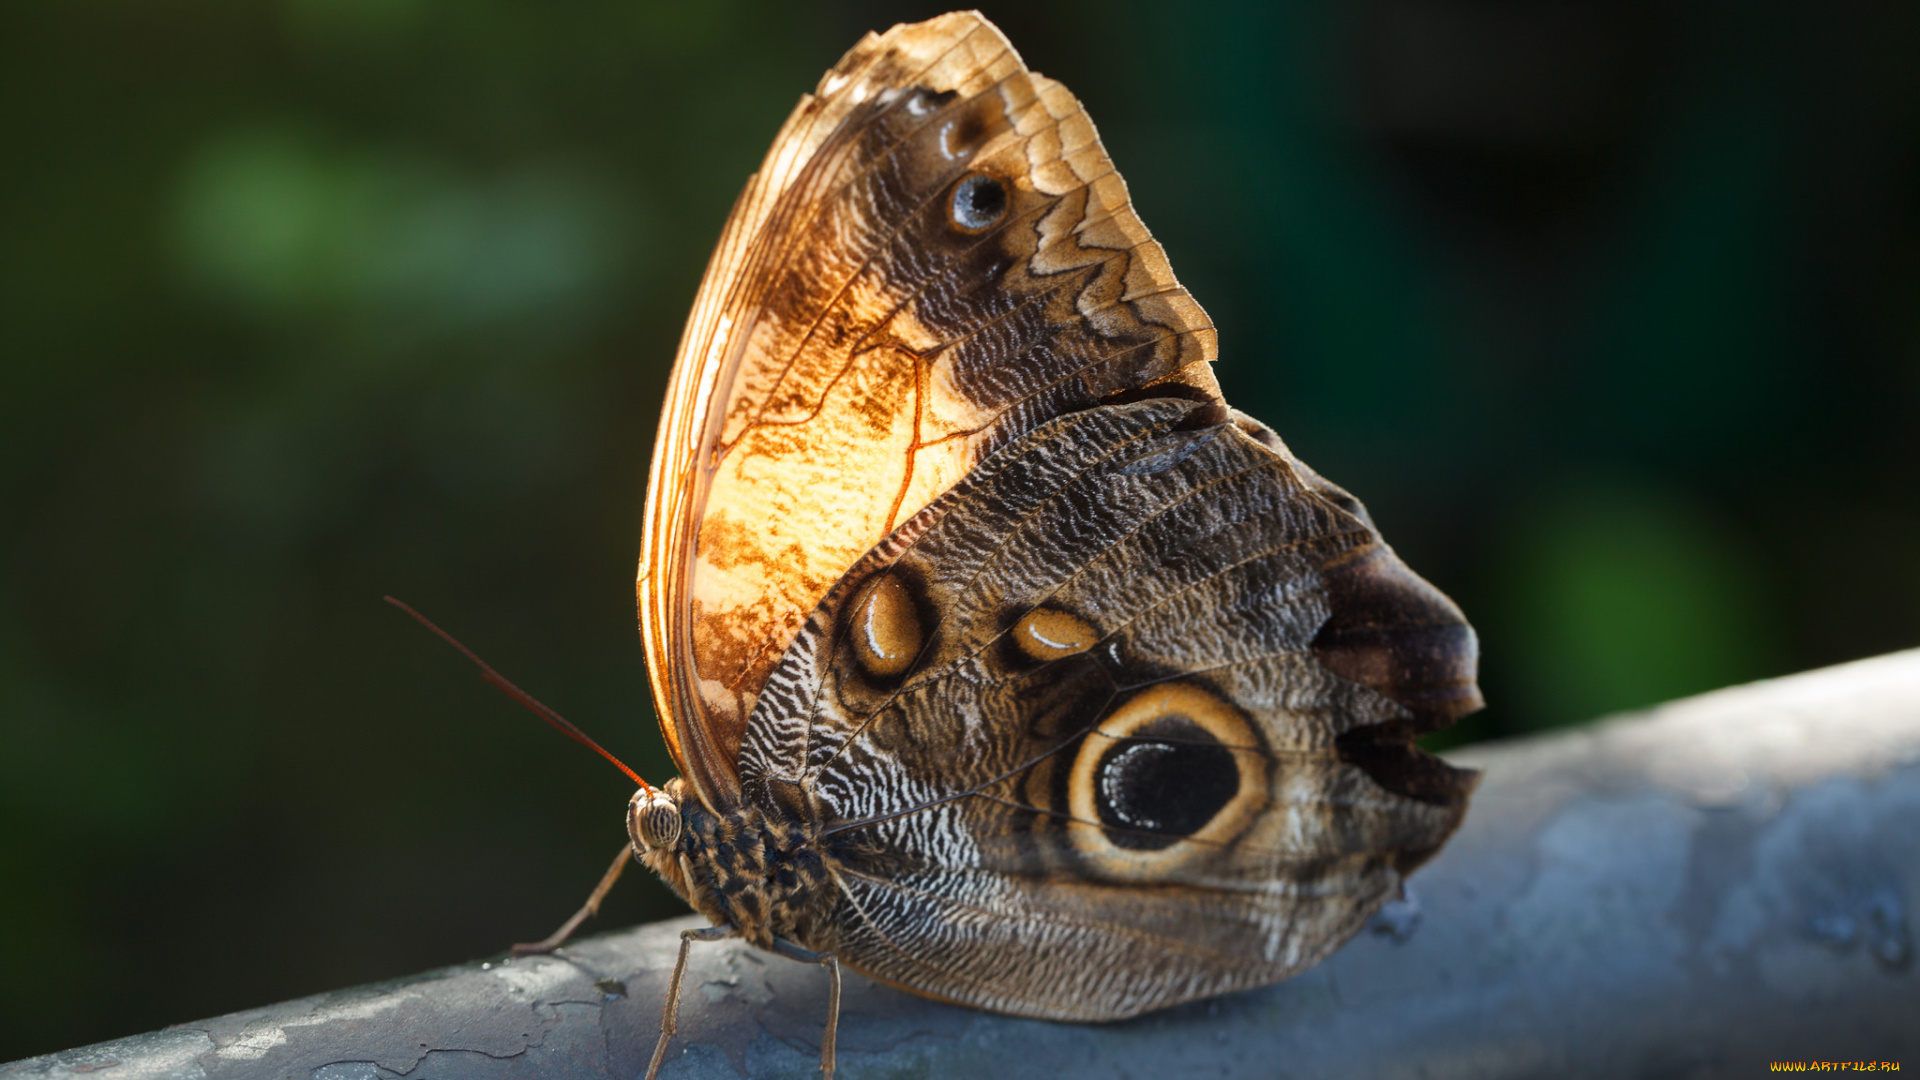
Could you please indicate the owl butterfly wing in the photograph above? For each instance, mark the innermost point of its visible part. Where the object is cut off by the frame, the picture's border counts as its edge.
(935, 257)
(1121, 721)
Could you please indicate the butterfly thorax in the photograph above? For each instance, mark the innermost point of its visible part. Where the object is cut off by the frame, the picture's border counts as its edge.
(764, 874)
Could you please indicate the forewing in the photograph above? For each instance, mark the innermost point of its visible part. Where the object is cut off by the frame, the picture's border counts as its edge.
(935, 257)
(1123, 720)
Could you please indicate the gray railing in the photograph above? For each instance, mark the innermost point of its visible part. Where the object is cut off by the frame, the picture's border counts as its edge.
(1698, 891)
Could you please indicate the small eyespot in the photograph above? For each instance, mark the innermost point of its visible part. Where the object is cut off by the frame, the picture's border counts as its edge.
(1045, 634)
(886, 629)
(979, 200)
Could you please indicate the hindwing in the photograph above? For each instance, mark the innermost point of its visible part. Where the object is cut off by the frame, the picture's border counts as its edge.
(1121, 720)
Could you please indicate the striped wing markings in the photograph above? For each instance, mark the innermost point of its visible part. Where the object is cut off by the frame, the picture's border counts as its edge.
(1007, 538)
(1077, 572)
(1032, 915)
(1063, 743)
(986, 471)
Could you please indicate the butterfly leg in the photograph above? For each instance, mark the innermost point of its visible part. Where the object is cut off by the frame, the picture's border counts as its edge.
(832, 963)
(588, 910)
(670, 1013)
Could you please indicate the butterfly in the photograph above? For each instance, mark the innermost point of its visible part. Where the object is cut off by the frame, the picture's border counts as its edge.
(1000, 658)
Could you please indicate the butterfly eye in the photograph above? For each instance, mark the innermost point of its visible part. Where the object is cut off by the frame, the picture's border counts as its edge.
(653, 819)
(886, 629)
(979, 200)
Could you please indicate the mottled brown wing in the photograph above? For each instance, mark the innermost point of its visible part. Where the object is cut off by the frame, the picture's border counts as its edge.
(1121, 721)
(935, 257)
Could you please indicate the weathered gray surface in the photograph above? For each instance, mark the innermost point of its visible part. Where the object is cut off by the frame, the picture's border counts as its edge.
(1693, 892)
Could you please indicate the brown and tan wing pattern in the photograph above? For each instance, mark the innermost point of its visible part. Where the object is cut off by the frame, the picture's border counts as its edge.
(1123, 720)
(935, 257)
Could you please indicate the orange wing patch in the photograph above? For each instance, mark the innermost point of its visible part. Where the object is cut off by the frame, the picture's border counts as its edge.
(936, 256)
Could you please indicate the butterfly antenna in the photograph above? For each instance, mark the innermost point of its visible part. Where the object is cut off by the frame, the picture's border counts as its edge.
(554, 720)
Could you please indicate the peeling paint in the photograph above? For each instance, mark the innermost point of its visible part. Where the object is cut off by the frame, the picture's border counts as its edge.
(253, 1044)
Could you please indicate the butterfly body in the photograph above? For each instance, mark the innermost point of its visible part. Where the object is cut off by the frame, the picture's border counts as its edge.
(765, 874)
(1001, 659)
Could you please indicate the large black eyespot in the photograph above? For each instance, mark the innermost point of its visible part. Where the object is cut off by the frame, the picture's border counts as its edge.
(1164, 782)
(978, 201)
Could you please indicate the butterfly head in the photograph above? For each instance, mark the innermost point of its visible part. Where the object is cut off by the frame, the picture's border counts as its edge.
(653, 820)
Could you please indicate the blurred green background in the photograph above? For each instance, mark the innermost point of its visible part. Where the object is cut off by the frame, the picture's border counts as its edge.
(1609, 309)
